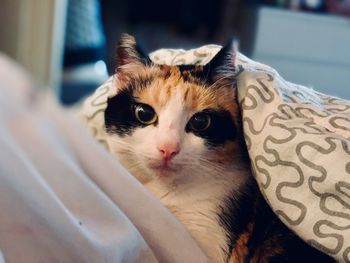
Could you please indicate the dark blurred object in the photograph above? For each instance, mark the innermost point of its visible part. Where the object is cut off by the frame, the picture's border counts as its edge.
(318, 6)
(196, 18)
(84, 50)
(155, 24)
(339, 7)
(169, 24)
(313, 5)
(279, 3)
(85, 40)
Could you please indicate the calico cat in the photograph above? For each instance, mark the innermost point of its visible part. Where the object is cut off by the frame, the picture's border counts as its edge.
(178, 130)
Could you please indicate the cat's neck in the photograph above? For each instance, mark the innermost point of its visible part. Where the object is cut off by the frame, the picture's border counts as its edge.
(202, 207)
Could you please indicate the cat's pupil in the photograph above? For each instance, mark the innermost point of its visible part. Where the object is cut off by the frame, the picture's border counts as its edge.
(200, 122)
(145, 114)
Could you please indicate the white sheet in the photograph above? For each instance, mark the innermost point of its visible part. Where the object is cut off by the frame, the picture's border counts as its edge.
(62, 197)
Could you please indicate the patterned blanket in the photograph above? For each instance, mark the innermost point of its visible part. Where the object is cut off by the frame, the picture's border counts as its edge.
(298, 141)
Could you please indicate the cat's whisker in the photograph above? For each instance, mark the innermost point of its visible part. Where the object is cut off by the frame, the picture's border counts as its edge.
(165, 195)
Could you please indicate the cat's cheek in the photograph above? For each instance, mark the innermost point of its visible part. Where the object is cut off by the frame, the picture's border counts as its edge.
(116, 145)
(144, 142)
(194, 145)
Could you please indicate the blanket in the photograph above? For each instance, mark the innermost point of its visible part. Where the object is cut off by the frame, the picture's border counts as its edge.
(298, 141)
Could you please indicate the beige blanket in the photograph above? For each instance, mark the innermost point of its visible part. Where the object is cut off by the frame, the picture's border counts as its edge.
(298, 142)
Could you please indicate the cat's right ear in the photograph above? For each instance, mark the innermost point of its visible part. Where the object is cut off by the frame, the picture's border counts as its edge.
(223, 63)
(130, 57)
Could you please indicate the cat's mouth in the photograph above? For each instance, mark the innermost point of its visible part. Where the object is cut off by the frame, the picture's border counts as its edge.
(164, 168)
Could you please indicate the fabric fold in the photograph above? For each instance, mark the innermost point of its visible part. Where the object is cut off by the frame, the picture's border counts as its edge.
(63, 199)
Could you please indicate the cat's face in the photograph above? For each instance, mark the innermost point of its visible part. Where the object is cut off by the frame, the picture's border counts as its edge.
(171, 122)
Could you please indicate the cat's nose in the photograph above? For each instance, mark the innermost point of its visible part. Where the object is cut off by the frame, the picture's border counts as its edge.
(168, 151)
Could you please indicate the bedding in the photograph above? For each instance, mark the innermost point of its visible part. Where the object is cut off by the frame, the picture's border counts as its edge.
(298, 141)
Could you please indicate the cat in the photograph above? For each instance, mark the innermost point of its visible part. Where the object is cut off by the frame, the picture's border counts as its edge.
(178, 130)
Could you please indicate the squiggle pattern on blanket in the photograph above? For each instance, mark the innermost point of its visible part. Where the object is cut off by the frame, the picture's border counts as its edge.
(298, 142)
(300, 150)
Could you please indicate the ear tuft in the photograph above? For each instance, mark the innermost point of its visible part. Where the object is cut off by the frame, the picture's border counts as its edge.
(223, 63)
(128, 53)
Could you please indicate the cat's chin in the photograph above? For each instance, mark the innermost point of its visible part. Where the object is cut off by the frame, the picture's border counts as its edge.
(164, 171)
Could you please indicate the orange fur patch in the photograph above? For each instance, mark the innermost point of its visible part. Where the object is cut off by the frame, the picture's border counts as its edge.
(240, 252)
(262, 254)
(196, 96)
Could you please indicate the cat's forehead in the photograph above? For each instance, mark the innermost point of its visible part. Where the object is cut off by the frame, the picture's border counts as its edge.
(163, 84)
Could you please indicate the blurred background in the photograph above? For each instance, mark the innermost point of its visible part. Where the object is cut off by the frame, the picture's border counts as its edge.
(69, 45)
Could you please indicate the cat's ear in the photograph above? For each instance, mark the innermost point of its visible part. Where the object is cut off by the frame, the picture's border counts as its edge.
(129, 55)
(223, 63)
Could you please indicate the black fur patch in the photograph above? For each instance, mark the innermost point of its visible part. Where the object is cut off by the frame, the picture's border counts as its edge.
(192, 73)
(140, 83)
(269, 234)
(223, 60)
(270, 240)
(119, 114)
(236, 211)
(221, 130)
(144, 58)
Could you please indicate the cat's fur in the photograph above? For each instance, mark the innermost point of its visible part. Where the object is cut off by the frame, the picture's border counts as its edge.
(206, 182)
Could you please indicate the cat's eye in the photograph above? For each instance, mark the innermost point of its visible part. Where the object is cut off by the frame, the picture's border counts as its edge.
(145, 114)
(200, 122)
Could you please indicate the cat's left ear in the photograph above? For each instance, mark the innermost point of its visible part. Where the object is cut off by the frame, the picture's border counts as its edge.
(223, 63)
